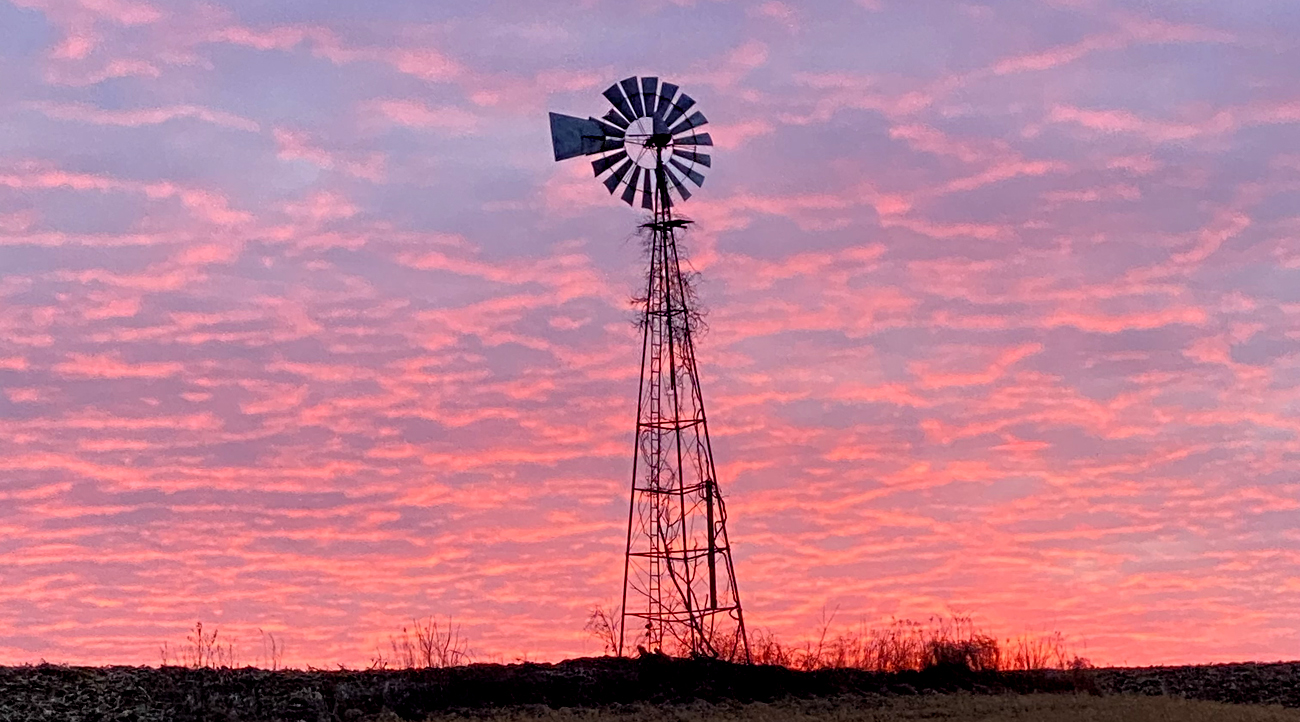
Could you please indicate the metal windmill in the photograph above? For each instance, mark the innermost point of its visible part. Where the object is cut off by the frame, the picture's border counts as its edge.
(679, 584)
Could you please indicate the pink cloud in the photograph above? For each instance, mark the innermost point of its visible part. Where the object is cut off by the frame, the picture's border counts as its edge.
(1137, 164)
(1001, 171)
(427, 64)
(842, 91)
(97, 73)
(1155, 30)
(322, 206)
(121, 12)
(299, 145)
(982, 231)
(1092, 195)
(932, 378)
(1054, 57)
(124, 12)
(1120, 121)
(930, 140)
(733, 135)
(415, 114)
(76, 45)
(1115, 323)
(274, 38)
(778, 11)
(84, 113)
(208, 205)
(105, 366)
(728, 70)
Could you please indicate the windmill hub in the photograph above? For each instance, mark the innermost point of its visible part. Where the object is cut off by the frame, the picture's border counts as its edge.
(642, 143)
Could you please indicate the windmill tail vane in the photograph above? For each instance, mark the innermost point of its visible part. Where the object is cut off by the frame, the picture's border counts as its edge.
(679, 590)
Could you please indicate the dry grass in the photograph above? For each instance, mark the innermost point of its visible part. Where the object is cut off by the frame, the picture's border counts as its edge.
(952, 642)
(200, 650)
(933, 708)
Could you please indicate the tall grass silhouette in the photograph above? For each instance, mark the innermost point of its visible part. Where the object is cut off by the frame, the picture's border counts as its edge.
(951, 642)
(942, 642)
(201, 649)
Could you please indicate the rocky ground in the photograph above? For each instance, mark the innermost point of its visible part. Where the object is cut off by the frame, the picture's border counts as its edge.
(1277, 683)
(51, 692)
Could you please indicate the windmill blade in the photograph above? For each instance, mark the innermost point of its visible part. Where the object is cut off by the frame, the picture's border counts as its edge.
(683, 104)
(629, 193)
(647, 199)
(611, 130)
(614, 95)
(697, 139)
(608, 144)
(572, 137)
(609, 161)
(694, 175)
(617, 176)
(616, 118)
(694, 157)
(650, 94)
(666, 93)
(633, 90)
(659, 127)
(696, 120)
(677, 183)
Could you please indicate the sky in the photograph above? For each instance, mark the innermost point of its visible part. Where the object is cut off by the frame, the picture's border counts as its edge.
(303, 330)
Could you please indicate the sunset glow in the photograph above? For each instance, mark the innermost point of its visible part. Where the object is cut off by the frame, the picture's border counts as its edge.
(303, 330)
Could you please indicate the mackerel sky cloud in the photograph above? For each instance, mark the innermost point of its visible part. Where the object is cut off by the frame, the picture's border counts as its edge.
(303, 330)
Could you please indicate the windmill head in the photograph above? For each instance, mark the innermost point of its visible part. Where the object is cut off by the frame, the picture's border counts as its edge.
(649, 140)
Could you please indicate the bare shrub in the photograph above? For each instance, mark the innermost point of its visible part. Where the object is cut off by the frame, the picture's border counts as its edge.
(603, 624)
(425, 644)
(955, 643)
(765, 648)
(727, 645)
(1043, 651)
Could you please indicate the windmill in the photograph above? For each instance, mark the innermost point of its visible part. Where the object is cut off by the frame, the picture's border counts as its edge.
(679, 584)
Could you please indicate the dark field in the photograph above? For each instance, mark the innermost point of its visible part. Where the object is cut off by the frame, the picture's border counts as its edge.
(647, 688)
